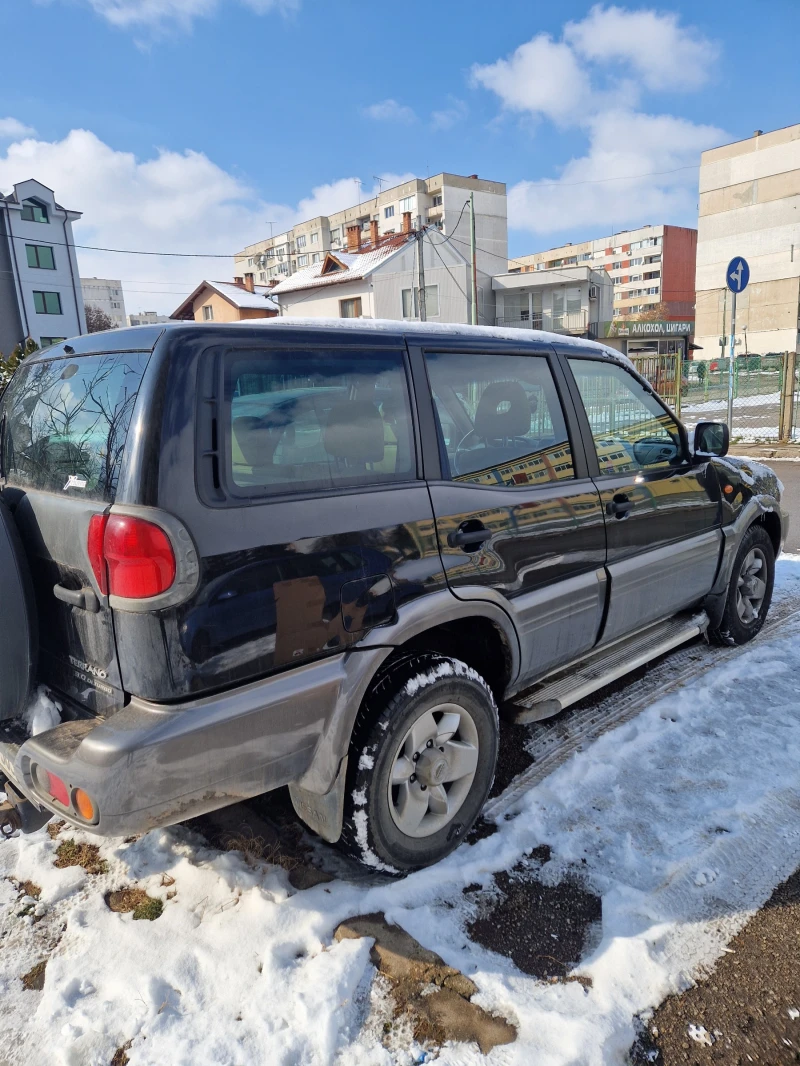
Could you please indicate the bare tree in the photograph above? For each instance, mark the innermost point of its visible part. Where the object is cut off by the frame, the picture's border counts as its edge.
(97, 319)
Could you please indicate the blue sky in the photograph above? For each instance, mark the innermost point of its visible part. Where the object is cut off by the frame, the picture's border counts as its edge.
(204, 120)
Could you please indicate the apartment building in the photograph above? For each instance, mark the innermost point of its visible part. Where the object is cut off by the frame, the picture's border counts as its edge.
(750, 206)
(437, 201)
(105, 294)
(40, 288)
(147, 318)
(576, 300)
(649, 267)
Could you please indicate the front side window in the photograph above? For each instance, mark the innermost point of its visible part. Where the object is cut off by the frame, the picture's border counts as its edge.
(630, 428)
(66, 422)
(47, 303)
(33, 212)
(208, 313)
(40, 256)
(500, 419)
(350, 308)
(299, 421)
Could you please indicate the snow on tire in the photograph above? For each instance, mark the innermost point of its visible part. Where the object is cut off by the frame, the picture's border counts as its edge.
(422, 761)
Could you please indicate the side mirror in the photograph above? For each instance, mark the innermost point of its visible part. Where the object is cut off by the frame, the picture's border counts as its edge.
(710, 439)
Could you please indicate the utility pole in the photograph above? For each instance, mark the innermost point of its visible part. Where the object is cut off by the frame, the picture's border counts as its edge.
(423, 309)
(474, 316)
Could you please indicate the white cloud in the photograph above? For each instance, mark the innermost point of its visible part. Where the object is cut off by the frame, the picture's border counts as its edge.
(644, 155)
(542, 76)
(172, 202)
(449, 116)
(664, 54)
(161, 15)
(390, 111)
(11, 128)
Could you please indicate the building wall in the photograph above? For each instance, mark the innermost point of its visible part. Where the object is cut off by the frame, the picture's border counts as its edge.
(678, 263)
(11, 328)
(545, 284)
(224, 311)
(325, 302)
(750, 206)
(25, 280)
(106, 293)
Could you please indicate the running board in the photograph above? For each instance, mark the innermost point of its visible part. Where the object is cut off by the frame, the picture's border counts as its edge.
(604, 665)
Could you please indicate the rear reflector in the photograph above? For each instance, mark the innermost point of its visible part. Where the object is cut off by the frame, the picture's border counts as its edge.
(52, 785)
(83, 804)
(139, 557)
(97, 530)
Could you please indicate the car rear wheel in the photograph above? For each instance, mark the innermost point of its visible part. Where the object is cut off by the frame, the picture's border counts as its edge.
(749, 589)
(421, 763)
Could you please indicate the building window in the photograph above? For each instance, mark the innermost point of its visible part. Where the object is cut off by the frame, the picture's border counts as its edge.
(249, 262)
(262, 276)
(208, 313)
(437, 201)
(407, 203)
(315, 257)
(388, 212)
(584, 256)
(652, 291)
(47, 341)
(301, 241)
(616, 266)
(315, 238)
(302, 260)
(33, 212)
(350, 308)
(411, 302)
(40, 256)
(47, 303)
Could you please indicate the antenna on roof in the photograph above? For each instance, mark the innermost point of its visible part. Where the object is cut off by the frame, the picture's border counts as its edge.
(380, 182)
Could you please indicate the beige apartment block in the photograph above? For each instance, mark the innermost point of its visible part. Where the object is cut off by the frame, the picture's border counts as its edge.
(437, 201)
(750, 206)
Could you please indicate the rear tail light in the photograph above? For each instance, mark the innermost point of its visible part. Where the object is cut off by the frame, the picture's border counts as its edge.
(83, 804)
(52, 785)
(130, 557)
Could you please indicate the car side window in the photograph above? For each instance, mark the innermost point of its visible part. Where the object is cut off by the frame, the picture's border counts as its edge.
(500, 419)
(300, 421)
(630, 428)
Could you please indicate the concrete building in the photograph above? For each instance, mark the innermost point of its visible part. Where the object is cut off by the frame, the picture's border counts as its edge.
(649, 266)
(147, 318)
(437, 202)
(383, 282)
(107, 295)
(577, 300)
(40, 288)
(227, 301)
(750, 206)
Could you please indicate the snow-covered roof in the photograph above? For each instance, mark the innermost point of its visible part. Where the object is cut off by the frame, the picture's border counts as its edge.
(241, 297)
(356, 265)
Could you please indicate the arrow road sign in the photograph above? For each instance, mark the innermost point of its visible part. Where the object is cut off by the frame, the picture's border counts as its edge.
(737, 275)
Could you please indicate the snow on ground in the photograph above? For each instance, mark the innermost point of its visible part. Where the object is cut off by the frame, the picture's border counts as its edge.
(756, 399)
(683, 820)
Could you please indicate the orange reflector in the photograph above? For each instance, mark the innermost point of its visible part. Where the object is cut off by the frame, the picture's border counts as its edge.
(728, 490)
(83, 805)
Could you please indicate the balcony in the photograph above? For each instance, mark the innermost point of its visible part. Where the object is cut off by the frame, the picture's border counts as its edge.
(575, 323)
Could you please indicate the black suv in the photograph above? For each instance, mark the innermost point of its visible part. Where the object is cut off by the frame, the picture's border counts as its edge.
(244, 556)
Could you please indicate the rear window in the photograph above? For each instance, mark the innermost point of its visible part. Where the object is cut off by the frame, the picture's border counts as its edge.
(64, 423)
(300, 421)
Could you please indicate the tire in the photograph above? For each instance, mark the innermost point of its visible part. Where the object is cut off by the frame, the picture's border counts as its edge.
(744, 614)
(425, 814)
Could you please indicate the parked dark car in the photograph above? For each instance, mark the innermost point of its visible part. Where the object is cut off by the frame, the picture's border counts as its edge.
(246, 556)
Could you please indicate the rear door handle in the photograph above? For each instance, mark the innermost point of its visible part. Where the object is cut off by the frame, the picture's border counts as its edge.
(468, 538)
(84, 598)
(619, 506)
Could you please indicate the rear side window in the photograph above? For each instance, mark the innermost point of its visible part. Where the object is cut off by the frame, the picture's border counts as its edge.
(299, 421)
(64, 423)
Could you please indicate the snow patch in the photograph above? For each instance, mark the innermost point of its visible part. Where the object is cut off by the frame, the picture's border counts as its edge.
(42, 713)
(700, 1035)
(368, 856)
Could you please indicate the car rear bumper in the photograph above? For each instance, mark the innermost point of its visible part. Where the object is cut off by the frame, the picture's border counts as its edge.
(152, 765)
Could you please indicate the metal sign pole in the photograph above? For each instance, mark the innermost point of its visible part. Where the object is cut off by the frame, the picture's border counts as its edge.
(730, 364)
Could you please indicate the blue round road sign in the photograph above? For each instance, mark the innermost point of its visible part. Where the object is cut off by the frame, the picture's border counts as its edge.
(737, 275)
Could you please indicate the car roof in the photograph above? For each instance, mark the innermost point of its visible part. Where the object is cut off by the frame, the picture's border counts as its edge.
(385, 332)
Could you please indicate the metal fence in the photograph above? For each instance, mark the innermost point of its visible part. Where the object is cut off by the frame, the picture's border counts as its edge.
(766, 392)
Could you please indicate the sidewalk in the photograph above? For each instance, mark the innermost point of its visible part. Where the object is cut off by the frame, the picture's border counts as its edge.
(765, 451)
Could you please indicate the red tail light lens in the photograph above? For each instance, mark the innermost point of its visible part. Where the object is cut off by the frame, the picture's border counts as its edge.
(51, 784)
(139, 557)
(97, 531)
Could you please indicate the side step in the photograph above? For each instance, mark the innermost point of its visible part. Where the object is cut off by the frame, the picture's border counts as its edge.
(571, 683)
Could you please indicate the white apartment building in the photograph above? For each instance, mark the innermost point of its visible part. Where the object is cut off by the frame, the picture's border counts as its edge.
(107, 295)
(438, 201)
(750, 207)
(147, 318)
(576, 300)
(40, 288)
(648, 266)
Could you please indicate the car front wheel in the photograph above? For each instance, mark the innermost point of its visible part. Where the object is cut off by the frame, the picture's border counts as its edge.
(749, 589)
(421, 763)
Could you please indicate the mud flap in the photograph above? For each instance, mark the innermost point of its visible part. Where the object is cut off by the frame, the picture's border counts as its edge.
(323, 814)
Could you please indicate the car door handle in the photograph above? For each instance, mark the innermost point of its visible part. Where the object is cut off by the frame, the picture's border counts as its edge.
(84, 598)
(468, 538)
(619, 507)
